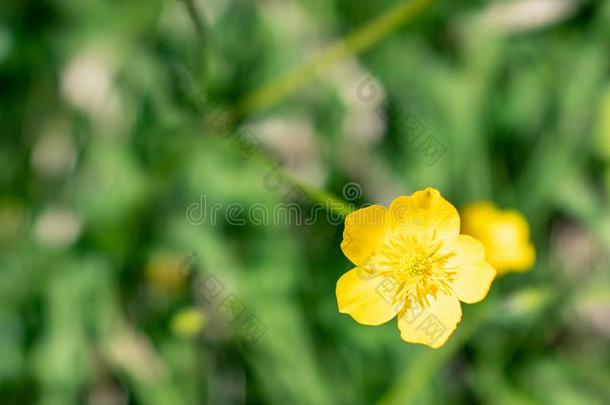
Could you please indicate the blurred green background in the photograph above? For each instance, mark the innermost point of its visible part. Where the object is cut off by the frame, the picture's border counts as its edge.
(123, 123)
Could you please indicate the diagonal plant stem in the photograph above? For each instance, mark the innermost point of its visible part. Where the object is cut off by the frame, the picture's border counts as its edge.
(354, 43)
(272, 93)
(195, 17)
(328, 200)
(425, 366)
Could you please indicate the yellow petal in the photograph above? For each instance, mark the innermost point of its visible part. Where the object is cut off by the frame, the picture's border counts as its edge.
(430, 325)
(473, 274)
(367, 298)
(364, 229)
(425, 212)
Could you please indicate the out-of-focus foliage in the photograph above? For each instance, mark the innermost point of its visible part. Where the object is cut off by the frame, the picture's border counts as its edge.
(114, 151)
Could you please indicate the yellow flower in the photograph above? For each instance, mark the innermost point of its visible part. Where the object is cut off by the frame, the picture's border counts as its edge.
(505, 235)
(411, 262)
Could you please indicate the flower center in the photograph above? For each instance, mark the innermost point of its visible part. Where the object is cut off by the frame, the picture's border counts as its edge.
(414, 263)
(416, 268)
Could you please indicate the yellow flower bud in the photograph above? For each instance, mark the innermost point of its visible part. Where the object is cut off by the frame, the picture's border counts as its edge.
(188, 322)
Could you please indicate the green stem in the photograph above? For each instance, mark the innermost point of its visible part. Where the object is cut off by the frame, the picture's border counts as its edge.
(195, 18)
(356, 42)
(328, 200)
(428, 363)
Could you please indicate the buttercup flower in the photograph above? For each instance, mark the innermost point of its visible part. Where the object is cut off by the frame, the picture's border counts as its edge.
(412, 262)
(505, 235)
